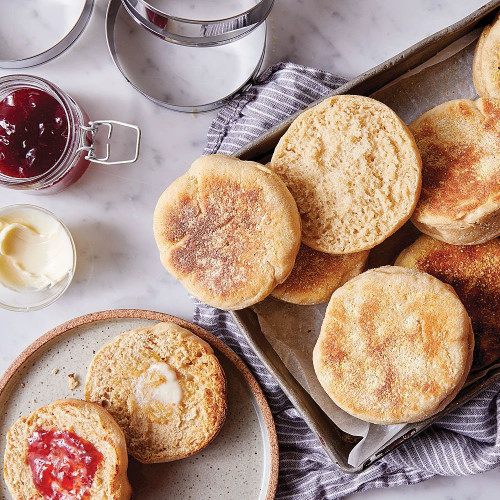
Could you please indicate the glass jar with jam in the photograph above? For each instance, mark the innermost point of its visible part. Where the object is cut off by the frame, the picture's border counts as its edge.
(46, 138)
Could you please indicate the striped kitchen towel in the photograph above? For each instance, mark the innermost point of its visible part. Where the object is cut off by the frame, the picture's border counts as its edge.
(466, 441)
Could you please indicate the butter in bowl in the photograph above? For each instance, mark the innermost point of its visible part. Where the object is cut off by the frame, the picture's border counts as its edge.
(37, 258)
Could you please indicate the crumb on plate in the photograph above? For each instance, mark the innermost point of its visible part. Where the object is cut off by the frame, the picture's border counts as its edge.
(73, 382)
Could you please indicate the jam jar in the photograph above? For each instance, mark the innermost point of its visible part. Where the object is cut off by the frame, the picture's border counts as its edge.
(46, 138)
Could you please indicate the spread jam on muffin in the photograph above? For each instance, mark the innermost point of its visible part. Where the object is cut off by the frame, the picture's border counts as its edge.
(33, 133)
(63, 465)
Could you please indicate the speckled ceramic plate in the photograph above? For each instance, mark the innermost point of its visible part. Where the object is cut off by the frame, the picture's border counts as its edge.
(242, 461)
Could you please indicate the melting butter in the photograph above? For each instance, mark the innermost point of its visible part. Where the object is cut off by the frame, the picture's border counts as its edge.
(35, 250)
(159, 384)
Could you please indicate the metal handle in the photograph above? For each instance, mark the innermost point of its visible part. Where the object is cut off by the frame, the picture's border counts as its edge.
(93, 128)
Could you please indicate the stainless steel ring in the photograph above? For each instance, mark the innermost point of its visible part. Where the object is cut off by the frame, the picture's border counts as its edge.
(56, 49)
(111, 16)
(198, 33)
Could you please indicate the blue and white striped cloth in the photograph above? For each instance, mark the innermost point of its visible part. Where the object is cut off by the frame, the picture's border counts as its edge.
(466, 441)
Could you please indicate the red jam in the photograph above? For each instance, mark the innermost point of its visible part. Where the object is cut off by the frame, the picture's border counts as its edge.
(63, 465)
(33, 133)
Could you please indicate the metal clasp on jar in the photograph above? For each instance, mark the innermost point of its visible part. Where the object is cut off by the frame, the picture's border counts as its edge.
(87, 144)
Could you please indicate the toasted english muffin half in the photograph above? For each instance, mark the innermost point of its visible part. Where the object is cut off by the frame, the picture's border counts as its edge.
(165, 388)
(459, 142)
(71, 447)
(354, 170)
(474, 273)
(316, 275)
(229, 230)
(486, 64)
(395, 346)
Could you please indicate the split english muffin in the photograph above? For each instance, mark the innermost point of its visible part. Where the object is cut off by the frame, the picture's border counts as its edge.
(229, 230)
(395, 346)
(486, 65)
(354, 170)
(474, 273)
(316, 275)
(71, 447)
(164, 387)
(459, 142)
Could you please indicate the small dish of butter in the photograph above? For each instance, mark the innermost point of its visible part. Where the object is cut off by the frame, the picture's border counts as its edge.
(37, 258)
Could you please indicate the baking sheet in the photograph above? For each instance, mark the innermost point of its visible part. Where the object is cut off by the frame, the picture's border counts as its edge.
(293, 330)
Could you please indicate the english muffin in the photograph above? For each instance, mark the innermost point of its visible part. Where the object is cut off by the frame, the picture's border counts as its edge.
(229, 230)
(474, 273)
(486, 65)
(70, 447)
(165, 388)
(316, 275)
(460, 146)
(395, 346)
(354, 170)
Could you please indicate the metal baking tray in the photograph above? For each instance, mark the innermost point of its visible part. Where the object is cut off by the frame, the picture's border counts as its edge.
(337, 443)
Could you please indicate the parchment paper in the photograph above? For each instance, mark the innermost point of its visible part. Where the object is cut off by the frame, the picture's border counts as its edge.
(293, 330)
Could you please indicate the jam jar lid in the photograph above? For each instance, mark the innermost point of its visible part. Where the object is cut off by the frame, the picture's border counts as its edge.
(32, 33)
(182, 77)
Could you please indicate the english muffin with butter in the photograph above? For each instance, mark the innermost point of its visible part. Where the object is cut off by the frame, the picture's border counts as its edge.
(395, 346)
(486, 65)
(459, 142)
(474, 273)
(354, 170)
(165, 388)
(229, 230)
(316, 275)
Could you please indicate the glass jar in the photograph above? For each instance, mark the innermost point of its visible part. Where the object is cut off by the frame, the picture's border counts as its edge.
(79, 150)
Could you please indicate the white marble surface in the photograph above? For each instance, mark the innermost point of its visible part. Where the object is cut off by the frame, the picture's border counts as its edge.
(109, 211)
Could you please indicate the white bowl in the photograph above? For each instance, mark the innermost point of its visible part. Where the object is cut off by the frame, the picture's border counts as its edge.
(33, 300)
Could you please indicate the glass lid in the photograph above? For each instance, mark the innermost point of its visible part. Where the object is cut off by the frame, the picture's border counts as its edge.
(33, 32)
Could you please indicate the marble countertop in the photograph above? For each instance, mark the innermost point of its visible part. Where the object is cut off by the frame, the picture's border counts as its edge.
(109, 210)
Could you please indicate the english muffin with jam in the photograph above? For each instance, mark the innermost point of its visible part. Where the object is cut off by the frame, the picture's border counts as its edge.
(316, 275)
(460, 146)
(165, 388)
(68, 449)
(395, 346)
(474, 273)
(229, 230)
